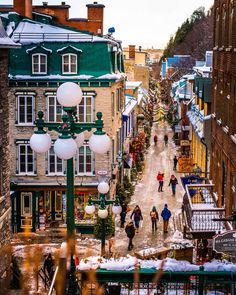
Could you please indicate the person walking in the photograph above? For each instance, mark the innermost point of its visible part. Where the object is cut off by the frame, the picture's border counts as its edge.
(160, 179)
(123, 214)
(165, 214)
(130, 232)
(137, 215)
(175, 160)
(166, 139)
(155, 139)
(154, 218)
(173, 182)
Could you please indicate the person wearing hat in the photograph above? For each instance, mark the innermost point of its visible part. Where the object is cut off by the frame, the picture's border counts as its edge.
(173, 182)
(154, 218)
(130, 232)
(165, 214)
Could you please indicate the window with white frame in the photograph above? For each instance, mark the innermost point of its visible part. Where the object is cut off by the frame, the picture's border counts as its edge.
(86, 109)
(55, 110)
(85, 161)
(26, 159)
(56, 166)
(69, 63)
(39, 63)
(25, 109)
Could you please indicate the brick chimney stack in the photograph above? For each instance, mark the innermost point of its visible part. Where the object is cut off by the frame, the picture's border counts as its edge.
(23, 7)
(131, 51)
(95, 14)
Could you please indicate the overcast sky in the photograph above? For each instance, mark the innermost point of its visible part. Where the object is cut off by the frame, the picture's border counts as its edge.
(148, 23)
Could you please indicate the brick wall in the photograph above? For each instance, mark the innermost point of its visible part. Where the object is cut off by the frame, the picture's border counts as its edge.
(5, 210)
(224, 102)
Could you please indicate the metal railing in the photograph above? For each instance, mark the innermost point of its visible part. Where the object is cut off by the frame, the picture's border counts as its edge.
(53, 281)
(200, 207)
(55, 36)
(151, 282)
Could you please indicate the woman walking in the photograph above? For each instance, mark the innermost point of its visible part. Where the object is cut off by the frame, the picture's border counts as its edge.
(130, 231)
(154, 218)
(173, 182)
(160, 178)
(137, 215)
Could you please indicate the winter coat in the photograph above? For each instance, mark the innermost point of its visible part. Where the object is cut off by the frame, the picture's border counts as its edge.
(160, 177)
(137, 215)
(130, 230)
(173, 181)
(166, 214)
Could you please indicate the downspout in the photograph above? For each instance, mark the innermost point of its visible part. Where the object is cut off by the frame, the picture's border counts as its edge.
(206, 160)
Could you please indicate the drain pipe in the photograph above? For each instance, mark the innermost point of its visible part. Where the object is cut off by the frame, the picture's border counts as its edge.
(206, 159)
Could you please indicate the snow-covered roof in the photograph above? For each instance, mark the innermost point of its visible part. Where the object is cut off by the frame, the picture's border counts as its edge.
(28, 32)
(64, 48)
(133, 84)
(31, 49)
(130, 103)
(5, 41)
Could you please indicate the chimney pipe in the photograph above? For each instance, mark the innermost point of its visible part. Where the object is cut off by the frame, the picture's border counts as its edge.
(28, 8)
(23, 7)
(132, 51)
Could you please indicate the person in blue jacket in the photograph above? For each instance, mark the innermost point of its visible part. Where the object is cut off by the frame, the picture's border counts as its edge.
(165, 214)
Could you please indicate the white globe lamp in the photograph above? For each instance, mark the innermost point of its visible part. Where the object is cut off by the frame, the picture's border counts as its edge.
(99, 144)
(103, 187)
(69, 94)
(65, 148)
(79, 139)
(102, 213)
(89, 209)
(40, 143)
(116, 209)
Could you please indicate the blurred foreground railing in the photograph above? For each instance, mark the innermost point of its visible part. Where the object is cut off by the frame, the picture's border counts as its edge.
(150, 281)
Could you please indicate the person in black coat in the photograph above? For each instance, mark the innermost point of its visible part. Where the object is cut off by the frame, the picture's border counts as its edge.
(130, 231)
(48, 265)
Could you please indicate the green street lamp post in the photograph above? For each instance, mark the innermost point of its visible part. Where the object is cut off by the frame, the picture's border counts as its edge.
(103, 189)
(71, 137)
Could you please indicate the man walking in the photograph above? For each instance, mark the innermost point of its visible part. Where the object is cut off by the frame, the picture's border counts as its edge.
(166, 139)
(173, 182)
(165, 214)
(154, 218)
(130, 232)
(160, 179)
(175, 160)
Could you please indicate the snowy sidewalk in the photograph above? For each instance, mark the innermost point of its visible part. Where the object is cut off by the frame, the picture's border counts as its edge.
(158, 158)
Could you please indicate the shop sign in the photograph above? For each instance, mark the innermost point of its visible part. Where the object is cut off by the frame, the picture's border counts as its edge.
(225, 242)
(177, 128)
(184, 142)
(185, 164)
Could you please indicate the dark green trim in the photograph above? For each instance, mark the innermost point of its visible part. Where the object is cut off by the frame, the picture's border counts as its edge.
(55, 84)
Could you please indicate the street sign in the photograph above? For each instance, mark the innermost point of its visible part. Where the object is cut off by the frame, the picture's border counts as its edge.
(177, 128)
(185, 165)
(225, 242)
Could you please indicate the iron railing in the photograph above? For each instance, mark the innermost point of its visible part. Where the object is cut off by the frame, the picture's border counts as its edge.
(200, 208)
(148, 281)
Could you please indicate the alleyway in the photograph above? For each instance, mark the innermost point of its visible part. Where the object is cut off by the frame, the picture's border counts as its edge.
(158, 158)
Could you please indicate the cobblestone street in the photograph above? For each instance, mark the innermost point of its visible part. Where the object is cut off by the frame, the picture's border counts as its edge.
(158, 158)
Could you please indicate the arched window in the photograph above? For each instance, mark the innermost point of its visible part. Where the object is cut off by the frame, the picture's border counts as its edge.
(69, 63)
(39, 63)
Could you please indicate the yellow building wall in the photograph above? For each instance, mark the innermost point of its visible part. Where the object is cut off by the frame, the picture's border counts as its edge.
(199, 152)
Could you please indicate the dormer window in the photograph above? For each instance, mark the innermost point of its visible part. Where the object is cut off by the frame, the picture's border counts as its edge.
(69, 64)
(39, 63)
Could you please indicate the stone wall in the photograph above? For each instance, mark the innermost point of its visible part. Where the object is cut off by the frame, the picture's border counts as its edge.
(5, 210)
(103, 103)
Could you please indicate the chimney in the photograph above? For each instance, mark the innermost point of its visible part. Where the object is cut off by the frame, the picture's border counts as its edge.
(131, 51)
(23, 7)
(95, 14)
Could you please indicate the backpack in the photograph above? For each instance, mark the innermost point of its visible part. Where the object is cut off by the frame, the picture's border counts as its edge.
(153, 215)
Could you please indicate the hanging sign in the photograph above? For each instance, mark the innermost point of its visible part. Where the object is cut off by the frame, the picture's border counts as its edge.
(225, 242)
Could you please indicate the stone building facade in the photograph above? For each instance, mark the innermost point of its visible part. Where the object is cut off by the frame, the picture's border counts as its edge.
(223, 162)
(5, 204)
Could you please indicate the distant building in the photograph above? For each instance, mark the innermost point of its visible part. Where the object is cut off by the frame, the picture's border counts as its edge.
(223, 162)
(171, 65)
(60, 14)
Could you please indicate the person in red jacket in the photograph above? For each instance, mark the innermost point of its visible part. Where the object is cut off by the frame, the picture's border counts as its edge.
(160, 179)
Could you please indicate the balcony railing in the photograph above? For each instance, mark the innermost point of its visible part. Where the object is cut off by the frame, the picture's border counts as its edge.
(200, 209)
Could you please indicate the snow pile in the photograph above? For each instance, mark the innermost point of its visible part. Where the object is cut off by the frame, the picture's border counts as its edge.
(217, 265)
(129, 263)
(178, 242)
